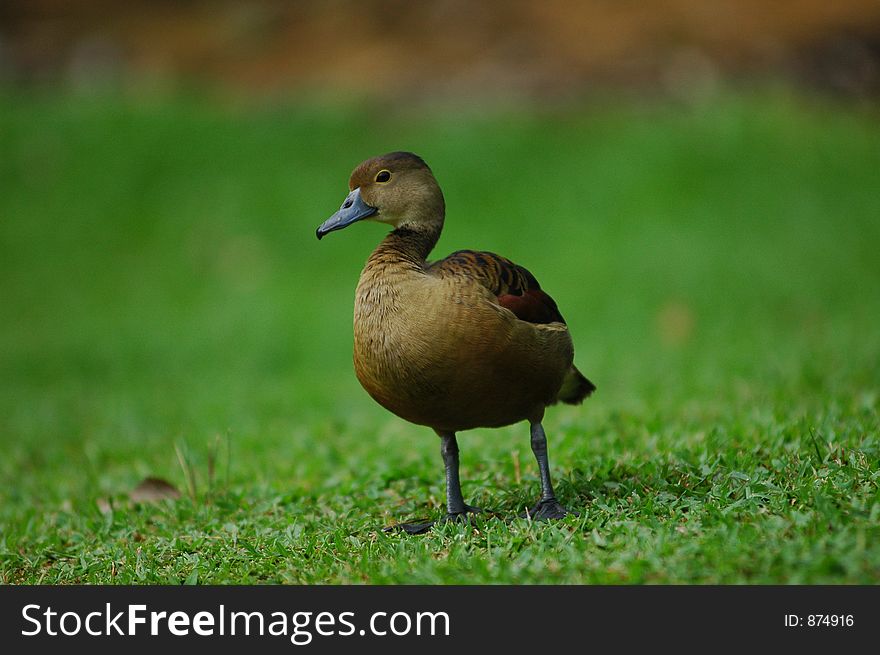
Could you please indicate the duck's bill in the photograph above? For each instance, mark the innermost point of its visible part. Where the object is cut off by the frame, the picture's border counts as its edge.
(352, 210)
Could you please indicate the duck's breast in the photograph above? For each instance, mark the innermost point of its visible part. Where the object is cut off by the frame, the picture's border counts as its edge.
(441, 353)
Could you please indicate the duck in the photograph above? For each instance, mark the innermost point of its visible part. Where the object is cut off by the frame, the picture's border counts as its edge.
(468, 341)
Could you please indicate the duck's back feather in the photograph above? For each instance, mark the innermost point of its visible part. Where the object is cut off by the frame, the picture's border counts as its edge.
(513, 285)
(517, 290)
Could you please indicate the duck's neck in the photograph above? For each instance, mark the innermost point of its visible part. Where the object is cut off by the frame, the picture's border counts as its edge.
(407, 246)
(396, 263)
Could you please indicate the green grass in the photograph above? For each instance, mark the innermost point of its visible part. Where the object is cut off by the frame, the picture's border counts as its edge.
(167, 311)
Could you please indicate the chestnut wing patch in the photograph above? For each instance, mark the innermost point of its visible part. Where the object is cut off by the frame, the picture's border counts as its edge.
(514, 286)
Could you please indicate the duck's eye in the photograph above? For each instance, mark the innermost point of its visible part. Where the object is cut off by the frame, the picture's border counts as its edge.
(383, 176)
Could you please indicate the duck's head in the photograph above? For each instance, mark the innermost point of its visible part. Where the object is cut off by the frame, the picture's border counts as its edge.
(398, 189)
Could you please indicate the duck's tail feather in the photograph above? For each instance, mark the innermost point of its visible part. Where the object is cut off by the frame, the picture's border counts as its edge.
(575, 387)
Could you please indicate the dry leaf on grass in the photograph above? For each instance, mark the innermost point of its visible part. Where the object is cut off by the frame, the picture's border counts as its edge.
(151, 490)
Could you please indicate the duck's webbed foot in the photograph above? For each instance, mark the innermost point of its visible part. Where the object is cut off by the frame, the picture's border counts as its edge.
(549, 508)
(411, 528)
(422, 527)
(462, 516)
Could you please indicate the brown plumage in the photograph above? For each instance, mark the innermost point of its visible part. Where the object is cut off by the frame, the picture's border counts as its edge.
(467, 341)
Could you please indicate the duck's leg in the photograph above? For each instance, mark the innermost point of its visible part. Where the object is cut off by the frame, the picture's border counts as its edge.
(456, 508)
(548, 507)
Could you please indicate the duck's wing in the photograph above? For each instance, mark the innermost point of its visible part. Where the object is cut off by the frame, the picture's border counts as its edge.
(514, 286)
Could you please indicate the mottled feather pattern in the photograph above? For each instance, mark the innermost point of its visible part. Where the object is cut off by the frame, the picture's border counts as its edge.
(514, 286)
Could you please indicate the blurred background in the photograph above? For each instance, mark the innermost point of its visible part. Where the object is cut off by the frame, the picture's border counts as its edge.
(697, 184)
(422, 51)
